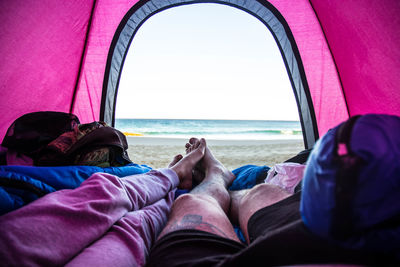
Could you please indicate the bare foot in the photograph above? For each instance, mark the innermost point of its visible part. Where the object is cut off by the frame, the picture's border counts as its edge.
(183, 166)
(209, 166)
(198, 171)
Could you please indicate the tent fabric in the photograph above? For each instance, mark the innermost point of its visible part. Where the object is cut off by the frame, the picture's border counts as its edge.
(41, 45)
(365, 45)
(348, 51)
(323, 81)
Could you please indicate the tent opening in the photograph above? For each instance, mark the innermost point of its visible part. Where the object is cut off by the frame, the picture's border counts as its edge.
(212, 71)
(266, 13)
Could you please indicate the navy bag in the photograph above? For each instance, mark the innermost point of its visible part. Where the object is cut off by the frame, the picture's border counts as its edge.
(351, 186)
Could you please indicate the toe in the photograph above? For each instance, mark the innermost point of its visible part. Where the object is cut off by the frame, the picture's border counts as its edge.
(193, 140)
(188, 148)
(196, 144)
(175, 160)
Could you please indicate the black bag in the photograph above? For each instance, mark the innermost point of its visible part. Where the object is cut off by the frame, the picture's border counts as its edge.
(94, 144)
(31, 132)
(58, 139)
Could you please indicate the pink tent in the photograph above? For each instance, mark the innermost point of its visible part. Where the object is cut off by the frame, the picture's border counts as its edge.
(342, 57)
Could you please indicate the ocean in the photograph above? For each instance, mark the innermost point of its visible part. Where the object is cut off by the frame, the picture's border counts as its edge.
(211, 129)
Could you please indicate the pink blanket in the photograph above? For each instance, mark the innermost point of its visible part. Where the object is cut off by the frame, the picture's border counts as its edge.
(106, 221)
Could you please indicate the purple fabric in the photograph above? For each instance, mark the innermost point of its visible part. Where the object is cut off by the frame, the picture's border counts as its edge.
(129, 240)
(12, 157)
(15, 158)
(41, 47)
(364, 38)
(108, 15)
(375, 196)
(106, 219)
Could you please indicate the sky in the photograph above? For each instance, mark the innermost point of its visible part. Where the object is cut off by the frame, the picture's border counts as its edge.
(205, 61)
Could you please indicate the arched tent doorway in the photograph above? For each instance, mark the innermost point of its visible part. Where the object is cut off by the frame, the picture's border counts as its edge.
(266, 13)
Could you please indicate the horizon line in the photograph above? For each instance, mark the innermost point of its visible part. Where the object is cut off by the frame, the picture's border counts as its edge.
(206, 119)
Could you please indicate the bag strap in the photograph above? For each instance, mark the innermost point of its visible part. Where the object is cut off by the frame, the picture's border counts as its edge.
(348, 165)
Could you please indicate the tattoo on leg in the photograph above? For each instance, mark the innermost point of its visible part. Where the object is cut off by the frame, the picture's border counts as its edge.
(194, 221)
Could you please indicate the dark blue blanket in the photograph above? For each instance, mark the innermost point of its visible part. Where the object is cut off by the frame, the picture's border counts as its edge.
(247, 176)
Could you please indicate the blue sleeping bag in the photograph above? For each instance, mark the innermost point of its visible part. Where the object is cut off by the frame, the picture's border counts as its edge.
(20, 185)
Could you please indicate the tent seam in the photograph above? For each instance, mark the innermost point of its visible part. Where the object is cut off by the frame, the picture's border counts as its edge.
(78, 76)
(333, 58)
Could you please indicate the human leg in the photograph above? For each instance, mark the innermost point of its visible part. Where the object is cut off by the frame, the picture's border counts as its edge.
(245, 203)
(128, 241)
(181, 244)
(61, 224)
(206, 206)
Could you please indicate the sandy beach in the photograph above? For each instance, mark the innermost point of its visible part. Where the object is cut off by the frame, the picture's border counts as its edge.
(157, 152)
